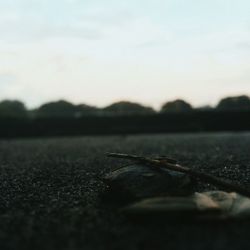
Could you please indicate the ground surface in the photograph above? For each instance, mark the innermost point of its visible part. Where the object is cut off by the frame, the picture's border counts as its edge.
(50, 193)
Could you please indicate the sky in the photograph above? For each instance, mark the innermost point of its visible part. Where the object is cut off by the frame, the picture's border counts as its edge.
(99, 52)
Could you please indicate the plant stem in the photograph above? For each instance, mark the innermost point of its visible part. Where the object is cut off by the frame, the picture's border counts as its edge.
(208, 178)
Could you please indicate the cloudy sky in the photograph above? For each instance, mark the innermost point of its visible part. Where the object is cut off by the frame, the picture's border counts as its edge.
(98, 52)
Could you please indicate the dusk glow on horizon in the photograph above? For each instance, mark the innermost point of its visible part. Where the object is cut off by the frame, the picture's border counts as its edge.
(98, 52)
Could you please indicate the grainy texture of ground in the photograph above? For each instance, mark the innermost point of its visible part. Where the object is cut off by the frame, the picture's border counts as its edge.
(50, 193)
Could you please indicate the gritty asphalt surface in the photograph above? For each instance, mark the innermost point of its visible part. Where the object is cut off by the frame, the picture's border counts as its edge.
(51, 193)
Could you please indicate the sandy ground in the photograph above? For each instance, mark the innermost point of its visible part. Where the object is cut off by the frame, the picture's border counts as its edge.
(50, 193)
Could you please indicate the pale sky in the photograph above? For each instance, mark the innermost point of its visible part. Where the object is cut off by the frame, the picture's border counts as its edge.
(149, 51)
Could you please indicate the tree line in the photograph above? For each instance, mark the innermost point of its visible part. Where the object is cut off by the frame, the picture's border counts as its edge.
(62, 108)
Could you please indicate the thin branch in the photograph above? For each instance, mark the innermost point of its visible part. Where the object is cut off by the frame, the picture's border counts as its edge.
(168, 163)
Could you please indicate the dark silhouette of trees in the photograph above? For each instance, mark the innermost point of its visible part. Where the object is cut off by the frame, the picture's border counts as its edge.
(127, 108)
(234, 103)
(59, 108)
(176, 106)
(86, 110)
(64, 118)
(62, 108)
(13, 108)
(205, 108)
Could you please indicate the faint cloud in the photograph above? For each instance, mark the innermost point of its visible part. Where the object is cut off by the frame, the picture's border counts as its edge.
(75, 32)
(108, 17)
(7, 82)
(152, 43)
(9, 16)
(72, 1)
(243, 45)
(29, 34)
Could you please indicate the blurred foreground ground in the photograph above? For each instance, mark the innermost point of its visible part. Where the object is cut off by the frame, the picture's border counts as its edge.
(50, 192)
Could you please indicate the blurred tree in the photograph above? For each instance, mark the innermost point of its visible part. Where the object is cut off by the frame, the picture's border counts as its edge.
(176, 106)
(205, 108)
(85, 110)
(234, 103)
(59, 108)
(127, 108)
(13, 108)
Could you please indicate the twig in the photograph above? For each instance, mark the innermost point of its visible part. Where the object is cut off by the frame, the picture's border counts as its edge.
(168, 163)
